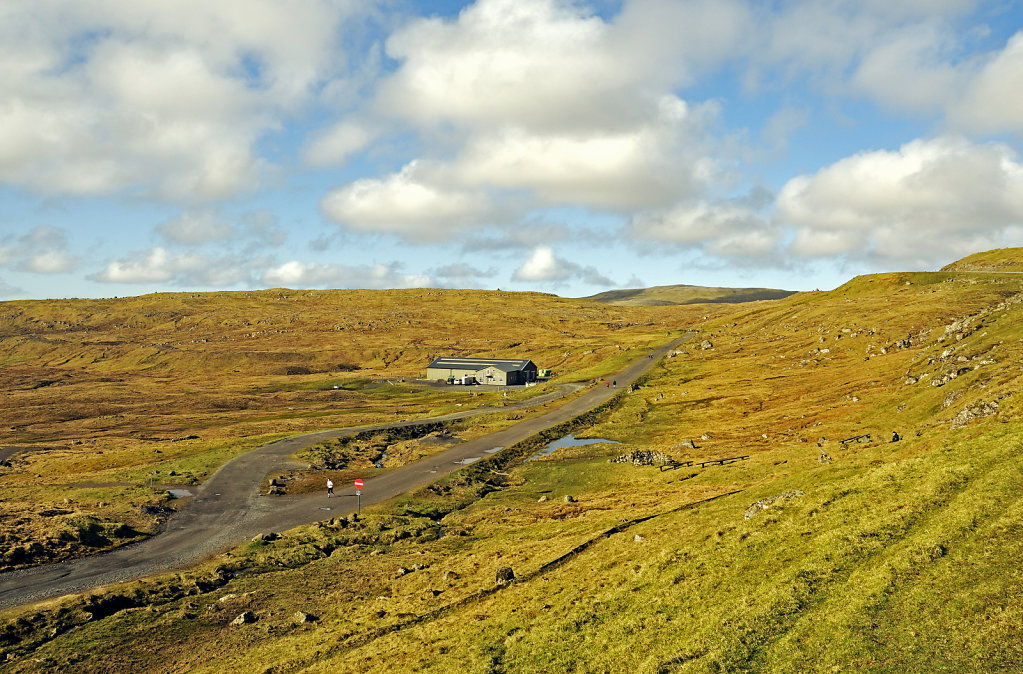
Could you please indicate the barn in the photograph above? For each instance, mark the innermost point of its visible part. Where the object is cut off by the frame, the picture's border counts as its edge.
(499, 371)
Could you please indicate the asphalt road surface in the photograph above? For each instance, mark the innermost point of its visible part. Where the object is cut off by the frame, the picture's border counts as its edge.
(229, 508)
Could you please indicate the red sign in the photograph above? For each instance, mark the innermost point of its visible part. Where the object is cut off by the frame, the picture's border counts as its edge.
(358, 484)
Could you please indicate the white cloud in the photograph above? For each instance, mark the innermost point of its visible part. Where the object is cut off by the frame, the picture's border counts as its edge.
(461, 271)
(167, 100)
(912, 70)
(155, 266)
(295, 274)
(532, 103)
(162, 266)
(927, 202)
(992, 101)
(723, 229)
(193, 228)
(544, 265)
(406, 205)
(336, 144)
(42, 250)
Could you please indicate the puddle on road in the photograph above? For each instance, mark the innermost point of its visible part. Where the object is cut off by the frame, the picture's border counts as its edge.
(471, 459)
(180, 493)
(569, 441)
(492, 450)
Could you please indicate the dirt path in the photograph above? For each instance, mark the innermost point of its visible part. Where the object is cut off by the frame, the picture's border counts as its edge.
(228, 509)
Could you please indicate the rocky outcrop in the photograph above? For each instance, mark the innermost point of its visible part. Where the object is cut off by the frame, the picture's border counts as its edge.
(975, 411)
(643, 458)
(765, 503)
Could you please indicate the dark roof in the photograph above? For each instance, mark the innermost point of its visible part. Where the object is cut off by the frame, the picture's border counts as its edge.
(503, 364)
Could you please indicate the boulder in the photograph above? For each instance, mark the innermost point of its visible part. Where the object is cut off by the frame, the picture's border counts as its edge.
(505, 575)
(244, 618)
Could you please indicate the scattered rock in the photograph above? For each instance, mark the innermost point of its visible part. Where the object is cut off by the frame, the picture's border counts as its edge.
(643, 458)
(244, 618)
(303, 617)
(569, 498)
(706, 344)
(637, 538)
(764, 504)
(505, 575)
(823, 458)
(951, 398)
(267, 537)
(543, 499)
(975, 411)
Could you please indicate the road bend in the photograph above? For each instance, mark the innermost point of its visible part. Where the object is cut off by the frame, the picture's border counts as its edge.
(229, 508)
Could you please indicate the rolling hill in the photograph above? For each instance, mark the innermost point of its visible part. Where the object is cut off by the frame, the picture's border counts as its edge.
(752, 514)
(686, 294)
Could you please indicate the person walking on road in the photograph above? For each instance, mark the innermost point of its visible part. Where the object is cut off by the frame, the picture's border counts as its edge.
(330, 488)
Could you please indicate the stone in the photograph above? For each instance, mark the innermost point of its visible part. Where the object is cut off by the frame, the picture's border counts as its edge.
(706, 344)
(764, 504)
(543, 499)
(569, 498)
(637, 538)
(303, 617)
(505, 575)
(244, 618)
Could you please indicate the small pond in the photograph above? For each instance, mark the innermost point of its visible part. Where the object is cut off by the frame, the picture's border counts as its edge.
(569, 441)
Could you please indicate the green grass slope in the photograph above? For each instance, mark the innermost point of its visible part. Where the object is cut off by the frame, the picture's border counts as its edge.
(810, 551)
(998, 260)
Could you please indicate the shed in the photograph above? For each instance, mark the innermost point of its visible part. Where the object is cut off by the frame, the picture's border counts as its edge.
(500, 371)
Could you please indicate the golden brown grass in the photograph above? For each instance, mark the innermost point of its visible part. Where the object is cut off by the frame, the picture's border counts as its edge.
(879, 557)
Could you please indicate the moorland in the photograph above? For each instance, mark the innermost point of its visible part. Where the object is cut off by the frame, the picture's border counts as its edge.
(752, 513)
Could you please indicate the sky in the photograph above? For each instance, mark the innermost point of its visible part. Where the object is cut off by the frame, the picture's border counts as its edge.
(547, 145)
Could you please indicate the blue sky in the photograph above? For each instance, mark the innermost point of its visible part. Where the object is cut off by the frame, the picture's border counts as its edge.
(566, 147)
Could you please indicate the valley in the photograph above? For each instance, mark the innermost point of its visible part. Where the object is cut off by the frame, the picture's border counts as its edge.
(827, 547)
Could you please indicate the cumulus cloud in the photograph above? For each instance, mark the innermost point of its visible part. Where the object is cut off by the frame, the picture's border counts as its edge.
(532, 103)
(926, 202)
(729, 229)
(336, 144)
(461, 271)
(164, 267)
(294, 274)
(409, 204)
(544, 266)
(991, 102)
(194, 228)
(165, 100)
(155, 266)
(42, 250)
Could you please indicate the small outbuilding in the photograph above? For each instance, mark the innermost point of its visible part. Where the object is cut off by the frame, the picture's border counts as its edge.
(499, 371)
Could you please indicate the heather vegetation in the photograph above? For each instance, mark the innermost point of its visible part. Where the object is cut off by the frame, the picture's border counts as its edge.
(821, 546)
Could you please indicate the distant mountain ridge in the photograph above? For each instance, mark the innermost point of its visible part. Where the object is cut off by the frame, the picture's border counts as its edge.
(687, 294)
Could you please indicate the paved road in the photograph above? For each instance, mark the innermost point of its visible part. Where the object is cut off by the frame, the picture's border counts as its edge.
(228, 509)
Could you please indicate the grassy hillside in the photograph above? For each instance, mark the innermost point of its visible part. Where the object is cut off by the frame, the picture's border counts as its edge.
(811, 551)
(685, 294)
(998, 260)
(104, 398)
